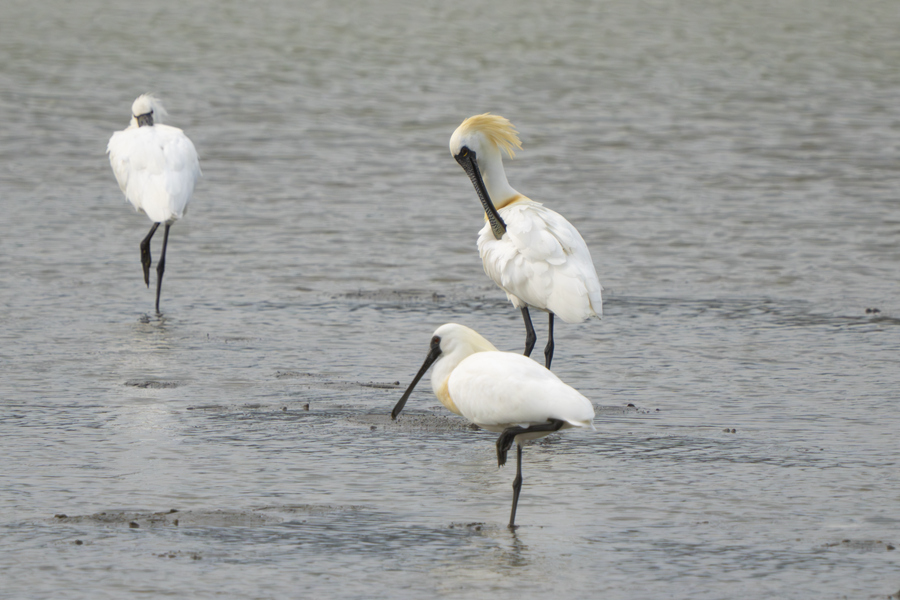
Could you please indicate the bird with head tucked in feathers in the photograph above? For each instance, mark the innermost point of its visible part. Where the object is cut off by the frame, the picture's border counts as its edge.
(156, 166)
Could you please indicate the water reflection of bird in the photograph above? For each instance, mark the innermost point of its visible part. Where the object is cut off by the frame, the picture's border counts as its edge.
(156, 166)
(503, 392)
(534, 254)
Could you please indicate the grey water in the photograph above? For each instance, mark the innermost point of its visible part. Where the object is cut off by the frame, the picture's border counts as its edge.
(733, 166)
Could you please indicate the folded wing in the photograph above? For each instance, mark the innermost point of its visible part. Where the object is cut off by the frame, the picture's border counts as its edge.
(542, 262)
(156, 167)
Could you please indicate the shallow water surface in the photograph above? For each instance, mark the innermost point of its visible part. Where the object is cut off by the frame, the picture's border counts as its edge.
(733, 168)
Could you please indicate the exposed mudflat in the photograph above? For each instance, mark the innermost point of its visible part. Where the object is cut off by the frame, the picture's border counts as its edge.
(266, 515)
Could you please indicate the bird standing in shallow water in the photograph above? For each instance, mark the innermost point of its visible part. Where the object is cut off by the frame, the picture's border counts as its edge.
(534, 254)
(156, 166)
(503, 392)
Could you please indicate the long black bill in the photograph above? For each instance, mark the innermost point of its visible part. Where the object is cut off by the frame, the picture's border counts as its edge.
(466, 159)
(429, 360)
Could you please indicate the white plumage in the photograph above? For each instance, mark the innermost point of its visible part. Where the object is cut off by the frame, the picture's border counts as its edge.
(542, 262)
(520, 397)
(496, 390)
(156, 166)
(533, 253)
(502, 392)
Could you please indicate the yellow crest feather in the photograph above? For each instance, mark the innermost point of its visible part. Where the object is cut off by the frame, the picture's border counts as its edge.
(498, 130)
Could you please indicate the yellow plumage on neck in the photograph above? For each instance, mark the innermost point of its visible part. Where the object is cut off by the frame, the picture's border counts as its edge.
(443, 394)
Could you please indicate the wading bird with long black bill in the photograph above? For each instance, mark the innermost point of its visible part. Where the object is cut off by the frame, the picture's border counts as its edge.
(534, 254)
(504, 392)
(157, 167)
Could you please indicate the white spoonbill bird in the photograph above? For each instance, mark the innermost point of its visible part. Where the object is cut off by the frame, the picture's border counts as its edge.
(503, 392)
(534, 254)
(156, 166)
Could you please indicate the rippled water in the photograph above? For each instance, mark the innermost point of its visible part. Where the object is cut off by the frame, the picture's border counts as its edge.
(733, 167)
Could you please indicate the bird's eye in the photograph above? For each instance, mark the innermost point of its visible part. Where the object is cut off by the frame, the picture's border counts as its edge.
(436, 340)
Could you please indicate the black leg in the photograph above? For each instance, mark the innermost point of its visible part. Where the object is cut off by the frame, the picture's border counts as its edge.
(548, 350)
(145, 254)
(161, 266)
(530, 337)
(517, 487)
(505, 441)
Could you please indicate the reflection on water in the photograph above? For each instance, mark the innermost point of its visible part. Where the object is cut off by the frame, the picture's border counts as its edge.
(733, 169)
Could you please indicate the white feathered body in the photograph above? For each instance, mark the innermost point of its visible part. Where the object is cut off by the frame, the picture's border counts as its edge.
(156, 167)
(518, 393)
(496, 390)
(542, 262)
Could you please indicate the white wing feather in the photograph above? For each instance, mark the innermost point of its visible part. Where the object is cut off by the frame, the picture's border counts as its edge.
(498, 389)
(157, 168)
(542, 262)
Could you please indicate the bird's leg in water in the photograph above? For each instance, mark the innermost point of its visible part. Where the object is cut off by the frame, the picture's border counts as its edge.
(504, 442)
(517, 487)
(548, 350)
(161, 266)
(145, 254)
(530, 337)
